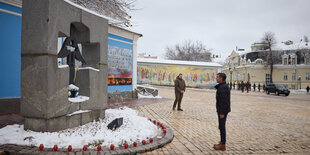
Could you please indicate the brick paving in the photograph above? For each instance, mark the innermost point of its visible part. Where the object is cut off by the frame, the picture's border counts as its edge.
(258, 123)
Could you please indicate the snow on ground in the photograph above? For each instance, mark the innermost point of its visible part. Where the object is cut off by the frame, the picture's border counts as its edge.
(146, 86)
(148, 96)
(298, 91)
(134, 128)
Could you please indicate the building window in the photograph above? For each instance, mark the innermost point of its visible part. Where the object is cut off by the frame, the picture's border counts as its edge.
(294, 76)
(307, 76)
(267, 78)
(307, 61)
(285, 61)
(285, 76)
(293, 61)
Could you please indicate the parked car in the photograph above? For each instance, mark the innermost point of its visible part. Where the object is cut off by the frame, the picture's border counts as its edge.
(277, 89)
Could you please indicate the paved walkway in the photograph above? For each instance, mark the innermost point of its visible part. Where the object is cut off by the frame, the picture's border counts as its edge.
(258, 123)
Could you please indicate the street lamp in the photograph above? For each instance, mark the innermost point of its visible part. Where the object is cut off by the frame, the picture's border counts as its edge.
(299, 79)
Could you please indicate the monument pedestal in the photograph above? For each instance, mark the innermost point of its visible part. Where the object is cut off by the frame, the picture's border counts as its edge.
(44, 86)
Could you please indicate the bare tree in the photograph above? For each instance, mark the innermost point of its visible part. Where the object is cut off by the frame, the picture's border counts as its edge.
(115, 9)
(189, 51)
(270, 41)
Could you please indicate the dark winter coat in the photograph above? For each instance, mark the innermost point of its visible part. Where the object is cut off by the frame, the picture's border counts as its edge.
(179, 85)
(222, 98)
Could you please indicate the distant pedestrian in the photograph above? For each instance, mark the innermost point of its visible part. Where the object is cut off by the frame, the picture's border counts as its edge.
(254, 87)
(180, 87)
(248, 85)
(234, 85)
(308, 88)
(222, 108)
(264, 87)
(259, 87)
(242, 86)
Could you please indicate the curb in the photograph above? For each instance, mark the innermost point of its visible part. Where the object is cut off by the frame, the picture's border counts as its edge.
(33, 150)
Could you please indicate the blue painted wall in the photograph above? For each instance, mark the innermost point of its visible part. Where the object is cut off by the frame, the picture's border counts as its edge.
(10, 51)
(121, 42)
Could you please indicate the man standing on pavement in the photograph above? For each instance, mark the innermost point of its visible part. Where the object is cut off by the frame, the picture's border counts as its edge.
(222, 108)
(179, 85)
(308, 88)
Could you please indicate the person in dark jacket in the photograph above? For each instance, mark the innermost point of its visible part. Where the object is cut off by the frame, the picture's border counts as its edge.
(259, 87)
(248, 86)
(242, 85)
(254, 87)
(179, 85)
(264, 87)
(222, 108)
(308, 88)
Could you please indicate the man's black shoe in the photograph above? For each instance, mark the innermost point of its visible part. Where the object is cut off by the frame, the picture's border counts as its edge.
(180, 109)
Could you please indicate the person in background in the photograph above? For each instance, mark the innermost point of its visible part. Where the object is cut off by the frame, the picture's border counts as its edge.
(179, 85)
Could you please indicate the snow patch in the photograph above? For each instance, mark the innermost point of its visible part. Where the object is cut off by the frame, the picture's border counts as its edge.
(63, 66)
(78, 99)
(134, 128)
(72, 86)
(148, 96)
(91, 68)
(298, 91)
(78, 112)
(177, 62)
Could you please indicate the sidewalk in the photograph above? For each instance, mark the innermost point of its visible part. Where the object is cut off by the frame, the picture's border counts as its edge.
(258, 123)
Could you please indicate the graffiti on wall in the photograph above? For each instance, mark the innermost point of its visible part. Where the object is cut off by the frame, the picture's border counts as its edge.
(165, 75)
(120, 66)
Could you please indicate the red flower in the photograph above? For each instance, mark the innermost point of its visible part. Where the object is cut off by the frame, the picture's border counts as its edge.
(112, 147)
(41, 147)
(55, 148)
(135, 144)
(126, 146)
(69, 148)
(151, 140)
(99, 148)
(85, 148)
(143, 142)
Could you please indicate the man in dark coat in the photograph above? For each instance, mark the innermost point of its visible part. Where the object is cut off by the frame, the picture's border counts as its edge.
(259, 87)
(222, 108)
(308, 88)
(254, 87)
(179, 85)
(242, 86)
(264, 87)
(248, 87)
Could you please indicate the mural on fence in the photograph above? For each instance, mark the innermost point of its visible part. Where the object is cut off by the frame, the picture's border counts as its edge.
(165, 75)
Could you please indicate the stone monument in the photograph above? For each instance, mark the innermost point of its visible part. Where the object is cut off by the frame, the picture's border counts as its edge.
(44, 85)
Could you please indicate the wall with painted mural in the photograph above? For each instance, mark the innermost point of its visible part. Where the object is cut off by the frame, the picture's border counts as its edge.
(120, 60)
(160, 74)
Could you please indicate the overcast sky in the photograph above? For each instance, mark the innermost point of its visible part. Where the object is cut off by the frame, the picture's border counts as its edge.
(220, 24)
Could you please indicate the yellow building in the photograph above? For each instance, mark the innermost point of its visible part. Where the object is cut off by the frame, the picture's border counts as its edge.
(292, 68)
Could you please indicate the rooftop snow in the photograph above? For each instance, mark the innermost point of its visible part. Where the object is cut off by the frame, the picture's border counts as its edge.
(177, 62)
